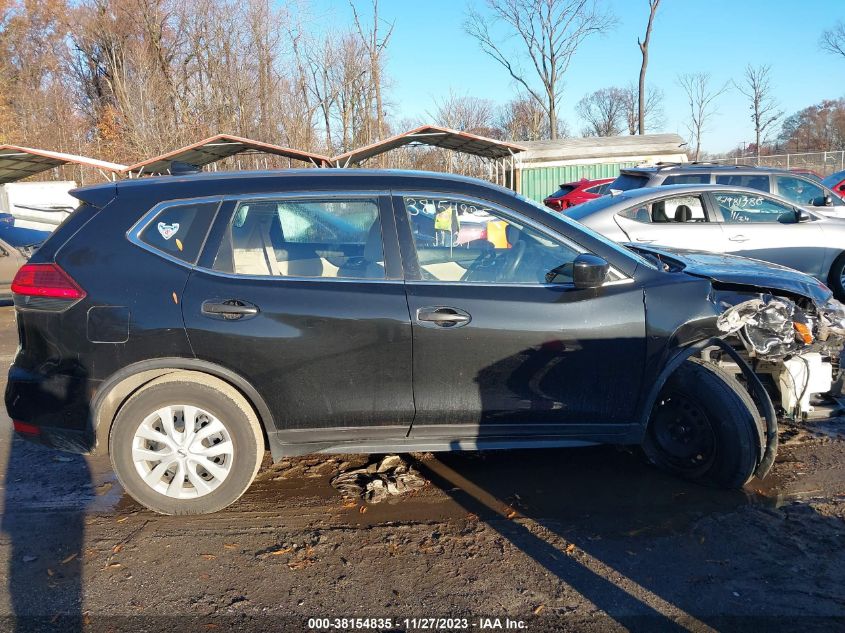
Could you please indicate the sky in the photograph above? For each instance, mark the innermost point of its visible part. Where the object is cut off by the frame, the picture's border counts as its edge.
(430, 54)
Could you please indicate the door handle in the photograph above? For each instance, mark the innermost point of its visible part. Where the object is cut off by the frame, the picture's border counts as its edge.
(738, 238)
(229, 309)
(444, 317)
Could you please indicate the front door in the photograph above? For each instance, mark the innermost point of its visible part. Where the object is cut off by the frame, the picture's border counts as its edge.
(498, 350)
(299, 298)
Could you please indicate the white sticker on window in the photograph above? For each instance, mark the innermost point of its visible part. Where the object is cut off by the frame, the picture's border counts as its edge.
(168, 230)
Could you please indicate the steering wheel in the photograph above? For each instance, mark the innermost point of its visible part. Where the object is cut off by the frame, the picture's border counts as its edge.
(514, 260)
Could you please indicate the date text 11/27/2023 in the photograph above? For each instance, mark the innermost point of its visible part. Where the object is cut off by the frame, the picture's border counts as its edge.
(418, 624)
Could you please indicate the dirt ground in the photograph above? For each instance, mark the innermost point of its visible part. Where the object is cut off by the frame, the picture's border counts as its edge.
(579, 539)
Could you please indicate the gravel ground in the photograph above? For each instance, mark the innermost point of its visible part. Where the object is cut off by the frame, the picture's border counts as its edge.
(580, 539)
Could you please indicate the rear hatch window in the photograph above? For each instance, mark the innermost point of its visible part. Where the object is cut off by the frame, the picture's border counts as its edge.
(564, 189)
(626, 181)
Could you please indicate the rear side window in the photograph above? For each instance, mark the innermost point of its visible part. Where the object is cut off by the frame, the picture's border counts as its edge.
(304, 238)
(624, 182)
(687, 179)
(179, 229)
(598, 189)
(752, 181)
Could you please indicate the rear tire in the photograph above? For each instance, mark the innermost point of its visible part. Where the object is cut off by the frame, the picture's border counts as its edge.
(834, 278)
(705, 427)
(172, 466)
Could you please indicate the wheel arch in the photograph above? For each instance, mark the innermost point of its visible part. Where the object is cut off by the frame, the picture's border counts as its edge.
(117, 388)
(755, 388)
(831, 282)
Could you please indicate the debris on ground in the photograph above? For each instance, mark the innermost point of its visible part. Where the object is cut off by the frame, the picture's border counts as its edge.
(374, 483)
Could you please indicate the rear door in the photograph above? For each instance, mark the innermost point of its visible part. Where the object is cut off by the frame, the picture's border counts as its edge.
(499, 350)
(303, 296)
(679, 221)
(764, 228)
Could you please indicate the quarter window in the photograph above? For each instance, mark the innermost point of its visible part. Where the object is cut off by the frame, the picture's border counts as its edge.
(304, 238)
(179, 230)
(738, 208)
(687, 179)
(461, 241)
(752, 181)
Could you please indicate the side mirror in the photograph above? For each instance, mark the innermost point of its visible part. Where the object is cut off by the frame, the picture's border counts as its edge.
(828, 200)
(802, 216)
(589, 271)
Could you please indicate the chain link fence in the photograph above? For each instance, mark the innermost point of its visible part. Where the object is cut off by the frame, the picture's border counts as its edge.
(823, 163)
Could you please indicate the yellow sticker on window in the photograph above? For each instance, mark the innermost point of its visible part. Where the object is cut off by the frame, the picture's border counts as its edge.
(179, 244)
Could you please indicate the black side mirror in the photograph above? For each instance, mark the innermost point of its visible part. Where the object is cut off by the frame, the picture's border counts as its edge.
(589, 271)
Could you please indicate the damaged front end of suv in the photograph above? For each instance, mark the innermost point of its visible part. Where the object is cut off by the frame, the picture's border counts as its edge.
(795, 340)
(785, 325)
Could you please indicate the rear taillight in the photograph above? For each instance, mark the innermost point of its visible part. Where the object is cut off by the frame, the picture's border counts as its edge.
(46, 280)
(26, 429)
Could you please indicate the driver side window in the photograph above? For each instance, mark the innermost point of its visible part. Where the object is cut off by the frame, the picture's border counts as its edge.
(458, 240)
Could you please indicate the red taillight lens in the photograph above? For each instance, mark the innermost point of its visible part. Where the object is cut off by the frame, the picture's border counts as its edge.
(27, 429)
(46, 280)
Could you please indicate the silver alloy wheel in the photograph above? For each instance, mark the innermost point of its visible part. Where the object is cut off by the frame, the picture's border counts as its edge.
(182, 451)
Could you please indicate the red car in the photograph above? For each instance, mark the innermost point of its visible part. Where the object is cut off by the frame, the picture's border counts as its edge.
(836, 183)
(574, 193)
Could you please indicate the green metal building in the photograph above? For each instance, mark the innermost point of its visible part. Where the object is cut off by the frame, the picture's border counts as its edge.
(544, 165)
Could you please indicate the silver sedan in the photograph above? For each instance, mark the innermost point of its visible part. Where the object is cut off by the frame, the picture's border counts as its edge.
(724, 219)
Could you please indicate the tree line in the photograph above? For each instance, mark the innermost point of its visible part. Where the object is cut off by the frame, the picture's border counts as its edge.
(126, 79)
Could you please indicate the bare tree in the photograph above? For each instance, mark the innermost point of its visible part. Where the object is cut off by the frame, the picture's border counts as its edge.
(603, 111)
(641, 109)
(375, 45)
(700, 96)
(467, 113)
(764, 108)
(833, 40)
(550, 32)
(522, 119)
(652, 113)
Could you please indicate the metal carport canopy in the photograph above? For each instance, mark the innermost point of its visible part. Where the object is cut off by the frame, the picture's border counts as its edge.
(17, 163)
(216, 148)
(435, 136)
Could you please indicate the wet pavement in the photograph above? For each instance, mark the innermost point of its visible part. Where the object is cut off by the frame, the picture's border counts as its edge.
(580, 539)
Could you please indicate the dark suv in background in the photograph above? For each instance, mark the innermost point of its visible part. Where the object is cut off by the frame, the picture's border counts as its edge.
(797, 188)
(187, 324)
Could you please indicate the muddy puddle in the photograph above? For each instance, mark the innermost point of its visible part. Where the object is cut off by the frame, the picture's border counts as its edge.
(606, 489)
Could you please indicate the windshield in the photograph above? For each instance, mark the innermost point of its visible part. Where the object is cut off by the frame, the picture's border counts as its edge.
(627, 180)
(585, 229)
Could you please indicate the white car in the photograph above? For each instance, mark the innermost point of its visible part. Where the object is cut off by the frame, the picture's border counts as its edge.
(724, 219)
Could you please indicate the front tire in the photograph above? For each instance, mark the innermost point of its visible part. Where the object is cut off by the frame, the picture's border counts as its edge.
(836, 277)
(705, 427)
(182, 445)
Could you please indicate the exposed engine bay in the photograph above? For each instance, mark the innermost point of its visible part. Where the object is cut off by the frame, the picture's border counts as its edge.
(795, 341)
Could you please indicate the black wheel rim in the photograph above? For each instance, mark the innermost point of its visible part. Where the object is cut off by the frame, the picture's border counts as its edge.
(683, 433)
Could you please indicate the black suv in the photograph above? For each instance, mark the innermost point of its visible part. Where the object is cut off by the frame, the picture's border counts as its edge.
(797, 188)
(187, 324)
